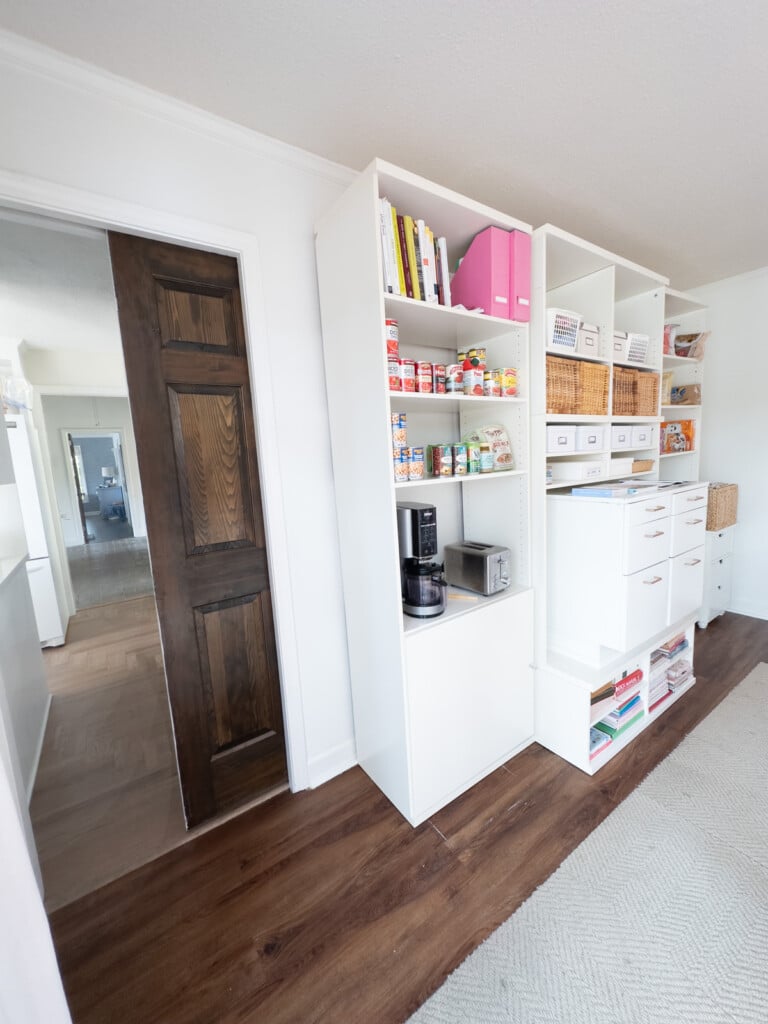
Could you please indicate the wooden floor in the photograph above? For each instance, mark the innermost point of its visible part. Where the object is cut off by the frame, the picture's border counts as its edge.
(106, 796)
(109, 570)
(326, 906)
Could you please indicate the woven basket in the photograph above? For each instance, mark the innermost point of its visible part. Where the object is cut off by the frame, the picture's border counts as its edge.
(646, 394)
(562, 381)
(721, 507)
(623, 391)
(592, 398)
(642, 465)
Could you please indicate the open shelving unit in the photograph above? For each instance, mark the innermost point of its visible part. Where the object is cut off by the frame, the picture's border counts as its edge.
(690, 315)
(437, 703)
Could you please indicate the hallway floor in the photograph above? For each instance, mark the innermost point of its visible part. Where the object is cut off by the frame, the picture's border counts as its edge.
(110, 570)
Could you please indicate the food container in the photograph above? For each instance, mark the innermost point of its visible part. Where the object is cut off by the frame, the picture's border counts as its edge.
(491, 384)
(454, 378)
(438, 378)
(399, 430)
(473, 457)
(460, 459)
(424, 383)
(393, 372)
(416, 464)
(486, 457)
(408, 374)
(401, 466)
(476, 356)
(473, 382)
(392, 335)
(507, 376)
(440, 459)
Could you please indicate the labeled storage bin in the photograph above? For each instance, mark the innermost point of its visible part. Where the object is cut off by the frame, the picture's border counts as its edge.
(590, 437)
(621, 438)
(721, 507)
(562, 329)
(643, 436)
(588, 341)
(589, 469)
(561, 439)
(619, 346)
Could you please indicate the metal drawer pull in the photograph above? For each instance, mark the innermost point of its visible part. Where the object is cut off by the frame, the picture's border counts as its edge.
(655, 508)
(650, 583)
(693, 522)
(650, 536)
(696, 561)
(696, 497)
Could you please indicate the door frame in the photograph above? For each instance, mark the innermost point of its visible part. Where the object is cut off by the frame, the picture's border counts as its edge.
(36, 195)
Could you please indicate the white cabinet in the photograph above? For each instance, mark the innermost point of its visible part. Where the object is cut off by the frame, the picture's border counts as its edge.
(437, 703)
(718, 555)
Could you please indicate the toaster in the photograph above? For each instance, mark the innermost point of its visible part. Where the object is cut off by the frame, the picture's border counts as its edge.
(484, 568)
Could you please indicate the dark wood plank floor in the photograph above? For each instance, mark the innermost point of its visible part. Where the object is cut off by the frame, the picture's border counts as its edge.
(326, 906)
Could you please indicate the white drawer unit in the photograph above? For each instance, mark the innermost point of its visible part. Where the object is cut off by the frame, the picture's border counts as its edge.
(622, 569)
(718, 563)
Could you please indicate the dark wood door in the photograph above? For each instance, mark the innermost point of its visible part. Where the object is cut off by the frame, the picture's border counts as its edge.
(182, 329)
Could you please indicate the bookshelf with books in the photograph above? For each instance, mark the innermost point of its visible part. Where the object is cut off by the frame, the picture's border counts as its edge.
(435, 705)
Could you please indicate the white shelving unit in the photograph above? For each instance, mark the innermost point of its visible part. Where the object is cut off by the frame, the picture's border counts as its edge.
(438, 703)
(584, 563)
(690, 315)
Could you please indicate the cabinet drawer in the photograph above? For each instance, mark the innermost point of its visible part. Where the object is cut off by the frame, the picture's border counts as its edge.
(654, 507)
(647, 593)
(719, 542)
(686, 587)
(717, 582)
(646, 544)
(684, 501)
(688, 531)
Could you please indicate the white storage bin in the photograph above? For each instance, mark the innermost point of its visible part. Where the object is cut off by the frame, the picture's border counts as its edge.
(561, 439)
(644, 436)
(619, 346)
(621, 437)
(588, 341)
(589, 469)
(621, 467)
(562, 329)
(637, 348)
(589, 437)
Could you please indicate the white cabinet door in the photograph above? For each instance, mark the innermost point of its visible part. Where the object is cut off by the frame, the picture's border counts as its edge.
(646, 596)
(686, 584)
(688, 530)
(470, 698)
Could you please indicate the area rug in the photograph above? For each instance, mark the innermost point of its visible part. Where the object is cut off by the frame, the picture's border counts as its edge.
(661, 915)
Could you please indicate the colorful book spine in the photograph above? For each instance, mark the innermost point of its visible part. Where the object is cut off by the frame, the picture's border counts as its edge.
(398, 254)
(410, 242)
(404, 256)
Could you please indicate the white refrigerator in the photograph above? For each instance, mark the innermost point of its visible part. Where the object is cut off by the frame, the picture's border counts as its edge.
(47, 612)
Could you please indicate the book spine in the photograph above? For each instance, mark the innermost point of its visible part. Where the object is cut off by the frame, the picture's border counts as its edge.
(419, 263)
(404, 256)
(627, 682)
(426, 261)
(442, 247)
(397, 254)
(384, 218)
(410, 243)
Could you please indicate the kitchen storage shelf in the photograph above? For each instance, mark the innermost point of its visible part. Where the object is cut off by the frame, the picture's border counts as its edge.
(437, 703)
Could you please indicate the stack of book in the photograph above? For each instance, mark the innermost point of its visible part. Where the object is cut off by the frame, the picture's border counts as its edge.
(597, 741)
(415, 263)
(627, 705)
(672, 647)
(658, 688)
(679, 673)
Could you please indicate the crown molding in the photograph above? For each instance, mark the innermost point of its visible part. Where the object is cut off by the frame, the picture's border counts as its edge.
(17, 51)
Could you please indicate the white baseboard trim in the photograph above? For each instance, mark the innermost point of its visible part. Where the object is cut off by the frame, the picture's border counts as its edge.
(38, 751)
(332, 763)
(754, 611)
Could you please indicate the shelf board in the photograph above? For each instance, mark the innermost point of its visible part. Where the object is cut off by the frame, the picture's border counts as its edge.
(636, 419)
(683, 408)
(670, 360)
(435, 326)
(578, 456)
(564, 417)
(459, 602)
(678, 303)
(676, 455)
(636, 366)
(450, 402)
(556, 485)
(571, 354)
(470, 478)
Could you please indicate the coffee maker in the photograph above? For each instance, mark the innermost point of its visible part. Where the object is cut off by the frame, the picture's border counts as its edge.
(421, 578)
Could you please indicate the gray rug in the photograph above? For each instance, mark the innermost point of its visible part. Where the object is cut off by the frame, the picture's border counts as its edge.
(661, 915)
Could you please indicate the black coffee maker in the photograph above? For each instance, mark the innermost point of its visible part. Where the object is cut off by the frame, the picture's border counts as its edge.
(422, 582)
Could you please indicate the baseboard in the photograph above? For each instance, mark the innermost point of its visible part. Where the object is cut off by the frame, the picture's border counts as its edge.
(38, 751)
(332, 763)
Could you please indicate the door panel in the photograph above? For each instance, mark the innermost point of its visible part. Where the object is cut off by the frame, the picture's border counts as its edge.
(184, 343)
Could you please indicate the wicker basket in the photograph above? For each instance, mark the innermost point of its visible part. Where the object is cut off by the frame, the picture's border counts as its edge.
(623, 391)
(721, 507)
(592, 398)
(642, 465)
(646, 394)
(562, 382)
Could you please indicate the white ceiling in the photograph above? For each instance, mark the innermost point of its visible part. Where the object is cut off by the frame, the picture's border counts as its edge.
(638, 125)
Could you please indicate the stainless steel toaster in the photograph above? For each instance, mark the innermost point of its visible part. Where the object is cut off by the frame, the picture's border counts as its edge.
(484, 568)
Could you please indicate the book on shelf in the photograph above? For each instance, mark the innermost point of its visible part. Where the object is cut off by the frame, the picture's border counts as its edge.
(628, 682)
(410, 244)
(612, 730)
(674, 646)
(404, 256)
(659, 700)
(385, 218)
(598, 741)
(442, 248)
(398, 253)
(602, 692)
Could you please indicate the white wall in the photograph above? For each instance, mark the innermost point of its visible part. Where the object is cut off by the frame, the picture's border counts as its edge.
(78, 414)
(735, 422)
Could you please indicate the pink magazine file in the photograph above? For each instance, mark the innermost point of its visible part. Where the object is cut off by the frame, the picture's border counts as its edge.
(483, 276)
(519, 276)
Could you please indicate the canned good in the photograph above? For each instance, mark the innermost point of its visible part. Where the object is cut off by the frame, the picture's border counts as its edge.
(486, 457)
(392, 335)
(473, 457)
(423, 367)
(438, 378)
(400, 466)
(454, 378)
(491, 384)
(399, 430)
(460, 357)
(473, 382)
(476, 356)
(440, 459)
(408, 374)
(416, 464)
(507, 381)
(460, 459)
(393, 372)
(424, 383)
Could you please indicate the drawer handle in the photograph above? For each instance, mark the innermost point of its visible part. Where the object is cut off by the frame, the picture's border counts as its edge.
(655, 508)
(696, 561)
(657, 533)
(693, 522)
(696, 497)
(650, 583)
